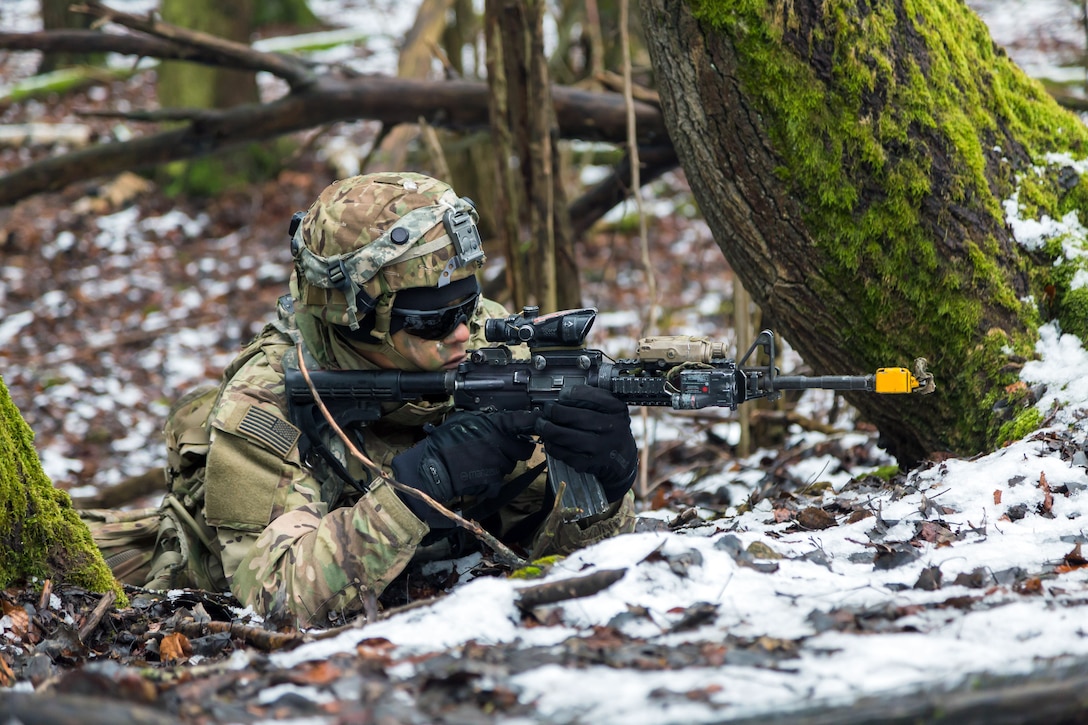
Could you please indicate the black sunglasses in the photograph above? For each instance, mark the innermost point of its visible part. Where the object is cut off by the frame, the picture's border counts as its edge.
(434, 324)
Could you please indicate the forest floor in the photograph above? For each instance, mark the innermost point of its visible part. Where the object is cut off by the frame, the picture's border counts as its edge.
(756, 584)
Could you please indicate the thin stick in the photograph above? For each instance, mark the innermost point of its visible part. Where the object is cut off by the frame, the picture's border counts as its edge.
(95, 617)
(503, 552)
(650, 324)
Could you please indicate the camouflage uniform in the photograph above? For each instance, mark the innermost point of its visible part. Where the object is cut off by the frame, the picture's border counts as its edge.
(285, 534)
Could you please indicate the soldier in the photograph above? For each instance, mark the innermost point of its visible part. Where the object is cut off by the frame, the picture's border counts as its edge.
(288, 520)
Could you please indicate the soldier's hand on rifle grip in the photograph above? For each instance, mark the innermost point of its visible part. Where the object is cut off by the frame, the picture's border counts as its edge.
(589, 429)
(467, 455)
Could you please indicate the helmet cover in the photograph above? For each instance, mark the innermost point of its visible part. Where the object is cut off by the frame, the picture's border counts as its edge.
(368, 236)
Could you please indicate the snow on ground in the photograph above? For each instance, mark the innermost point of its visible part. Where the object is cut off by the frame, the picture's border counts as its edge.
(959, 567)
(963, 567)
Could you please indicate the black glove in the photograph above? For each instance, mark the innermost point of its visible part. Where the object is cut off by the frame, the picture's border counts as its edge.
(468, 455)
(589, 429)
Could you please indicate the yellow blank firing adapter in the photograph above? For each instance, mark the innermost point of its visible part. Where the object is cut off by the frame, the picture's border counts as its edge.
(895, 380)
(901, 380)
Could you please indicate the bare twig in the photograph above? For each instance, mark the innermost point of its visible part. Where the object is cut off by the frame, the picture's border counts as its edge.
(47, 592)
(650, 322)
(95, 617)
(503, 552)
(238, 55)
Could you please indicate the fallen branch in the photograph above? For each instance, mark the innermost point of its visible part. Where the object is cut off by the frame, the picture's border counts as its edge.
(564, 589)
(124, 493)
(314, 100)
(458, 105)
(56, 708)
(221, 51)
(616, 186)
(262, 639)
(1038, 697)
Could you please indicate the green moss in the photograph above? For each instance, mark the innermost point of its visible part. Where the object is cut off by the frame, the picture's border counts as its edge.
(1073, 313)
(41, 535)
(1027, 421)
(227, 170)
(908, 103)
(536, 569)
(987, 379)
(885, 473)
(1052, 192)
(1072, 192)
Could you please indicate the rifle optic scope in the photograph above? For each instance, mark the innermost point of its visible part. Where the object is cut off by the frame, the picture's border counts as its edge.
(566, 328)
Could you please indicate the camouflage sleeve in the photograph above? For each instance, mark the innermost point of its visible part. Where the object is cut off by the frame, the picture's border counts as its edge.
(557, 535)
(284, 551)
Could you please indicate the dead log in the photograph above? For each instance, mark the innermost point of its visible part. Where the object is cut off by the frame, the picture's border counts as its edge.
(458, 105)
(1049, 697)
(314, 100)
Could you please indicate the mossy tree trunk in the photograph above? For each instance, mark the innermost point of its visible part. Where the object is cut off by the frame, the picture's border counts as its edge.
(56, 15)
(190, 85)
(853, 160)
(41, 535)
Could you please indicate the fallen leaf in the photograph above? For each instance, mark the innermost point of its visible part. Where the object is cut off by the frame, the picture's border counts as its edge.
(776, 644)
(929, 580)
(175, 648)
(1032, 585)
(703, 694)
(936, 533)
(814, 517)
(20, 620)
(997, 496)
(1072, 561)
(7, 677)
(1048, 497)
(858, 515)
(1016, 387)
(316, 673)
(761, 551)
(376, 649)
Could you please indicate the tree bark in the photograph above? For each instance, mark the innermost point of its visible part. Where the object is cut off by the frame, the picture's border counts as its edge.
(57, 16)
(851, 160)
(182, 85)
(41, 535)
(540, 263)
(414, 61)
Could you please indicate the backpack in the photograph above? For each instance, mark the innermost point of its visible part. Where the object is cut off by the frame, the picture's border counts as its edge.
(157, 547)
(186, 550)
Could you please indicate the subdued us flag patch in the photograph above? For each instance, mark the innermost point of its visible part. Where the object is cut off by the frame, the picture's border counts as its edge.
(275, 432)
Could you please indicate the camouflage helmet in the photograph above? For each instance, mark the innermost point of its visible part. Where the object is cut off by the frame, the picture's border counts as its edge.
(368, 236)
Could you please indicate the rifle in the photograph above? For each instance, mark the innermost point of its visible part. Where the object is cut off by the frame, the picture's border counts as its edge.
(680, 372)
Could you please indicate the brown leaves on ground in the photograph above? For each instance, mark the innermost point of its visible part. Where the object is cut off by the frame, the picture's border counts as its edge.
(1048, 497)
(175, 649)
(1072, 561)
(815, 518)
